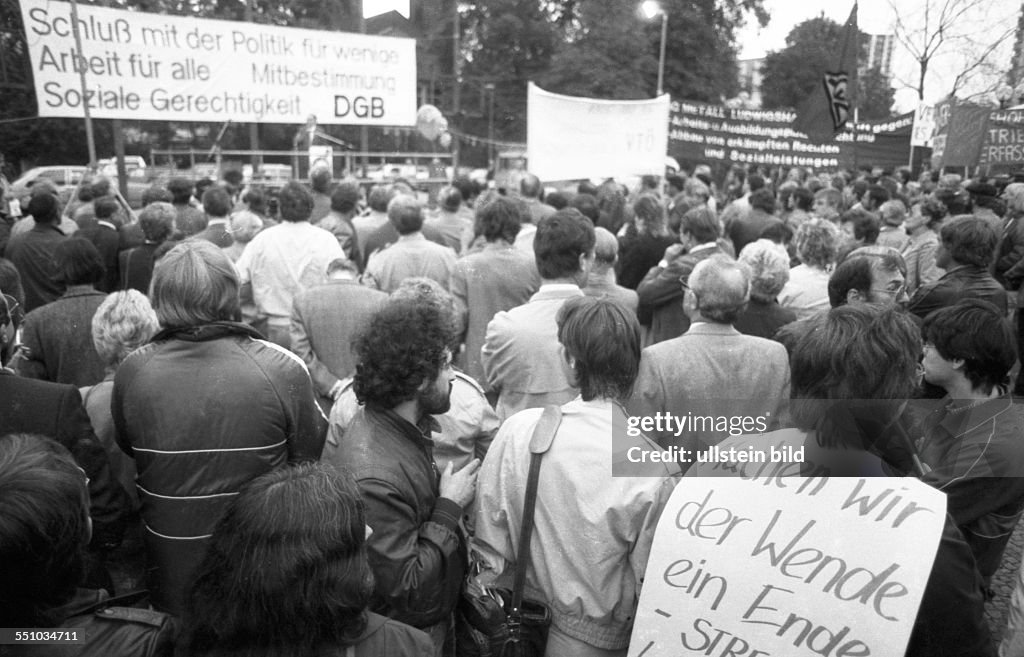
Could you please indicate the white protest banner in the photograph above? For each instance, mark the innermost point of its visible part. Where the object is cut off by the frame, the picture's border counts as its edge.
(816, 567)
(176, 68)
(924, 126)
(570, 138)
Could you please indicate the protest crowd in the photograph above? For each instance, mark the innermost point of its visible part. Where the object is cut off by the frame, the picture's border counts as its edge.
(236, 428)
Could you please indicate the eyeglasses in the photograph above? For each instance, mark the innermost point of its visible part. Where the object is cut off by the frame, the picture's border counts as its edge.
(686, 287)
(893, 292)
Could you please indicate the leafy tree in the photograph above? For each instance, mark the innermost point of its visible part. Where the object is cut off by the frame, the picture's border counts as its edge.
(700, 51)
(507, 43)
(609, 58)
(700, 56)
(792, 73)
(874, 95)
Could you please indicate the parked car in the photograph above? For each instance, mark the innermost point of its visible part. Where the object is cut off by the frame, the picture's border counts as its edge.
(65, 177)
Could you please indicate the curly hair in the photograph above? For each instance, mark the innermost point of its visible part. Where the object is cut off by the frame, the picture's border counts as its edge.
(816, 242)
(769, 268)
(123, 322)
(286, 572)
(420, 289)
(403, 346)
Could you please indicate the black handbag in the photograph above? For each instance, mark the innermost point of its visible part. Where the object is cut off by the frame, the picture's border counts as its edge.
(499, 622)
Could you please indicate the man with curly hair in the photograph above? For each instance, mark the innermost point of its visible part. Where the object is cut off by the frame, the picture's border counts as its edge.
(417, 549)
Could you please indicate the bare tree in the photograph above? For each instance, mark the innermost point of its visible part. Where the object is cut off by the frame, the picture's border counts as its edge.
(946, 26)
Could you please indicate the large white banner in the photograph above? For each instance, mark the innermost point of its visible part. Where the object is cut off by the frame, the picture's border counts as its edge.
(150, 66)
(570, 138)
(788, 566)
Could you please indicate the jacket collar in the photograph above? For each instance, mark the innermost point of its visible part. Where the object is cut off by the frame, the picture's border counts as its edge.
(551, 291)
(45, 228)
(206, 332)
(80, 291)
(710, 328)
(419, 434)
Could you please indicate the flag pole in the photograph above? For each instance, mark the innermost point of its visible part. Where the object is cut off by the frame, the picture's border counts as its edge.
(856, 164)
(855, 97)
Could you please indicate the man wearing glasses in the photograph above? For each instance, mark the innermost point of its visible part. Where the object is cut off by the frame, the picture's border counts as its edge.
(870, 274)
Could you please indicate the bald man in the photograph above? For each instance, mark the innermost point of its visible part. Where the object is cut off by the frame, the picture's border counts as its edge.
(601, 280)
(531, 190)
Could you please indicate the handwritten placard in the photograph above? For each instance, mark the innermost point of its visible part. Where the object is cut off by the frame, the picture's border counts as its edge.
(833, 567)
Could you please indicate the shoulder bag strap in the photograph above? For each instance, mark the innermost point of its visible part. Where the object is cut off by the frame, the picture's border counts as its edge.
(543, 435)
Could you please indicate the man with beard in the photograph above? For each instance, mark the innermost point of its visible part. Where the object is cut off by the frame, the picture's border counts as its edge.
(417, 550)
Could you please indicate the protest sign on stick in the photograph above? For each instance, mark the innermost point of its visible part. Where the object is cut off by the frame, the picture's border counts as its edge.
(816, 566)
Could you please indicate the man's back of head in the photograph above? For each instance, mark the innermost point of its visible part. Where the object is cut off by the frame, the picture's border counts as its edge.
(320, 179)
(587, 205)
(530, 186)
(449, 199)
(105, 207)
(406, 214)
(345, 198)
(44, 208)
(893, 212)
(606, 250)
(216, 202)
(562, 243)
(719, 289)
(295, 202)
(403, 346)
(181, 189)
(501, 219)
(379, 197)
(968, 240)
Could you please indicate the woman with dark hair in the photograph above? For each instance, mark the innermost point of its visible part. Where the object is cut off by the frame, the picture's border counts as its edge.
(57, 337)
(642, 248)
(591, 584)
(286, 573)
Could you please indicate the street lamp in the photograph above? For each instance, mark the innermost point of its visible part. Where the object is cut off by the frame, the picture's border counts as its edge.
(489, 87)
(650, 9)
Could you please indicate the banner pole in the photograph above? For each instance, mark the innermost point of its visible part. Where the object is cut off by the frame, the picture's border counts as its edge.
(89, 138)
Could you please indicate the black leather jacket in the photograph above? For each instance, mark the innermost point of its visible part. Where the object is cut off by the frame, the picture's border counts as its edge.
(417, 550)
(958, 283)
